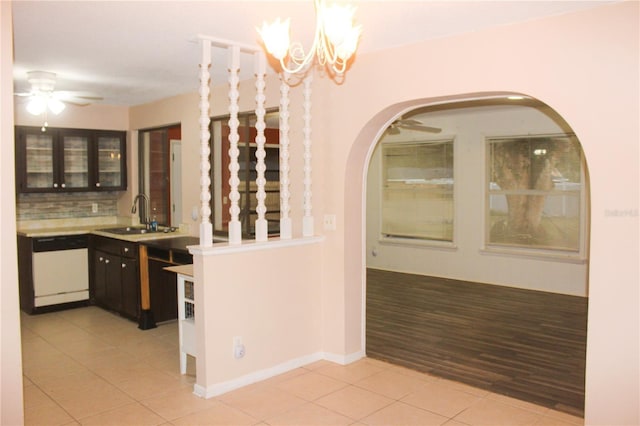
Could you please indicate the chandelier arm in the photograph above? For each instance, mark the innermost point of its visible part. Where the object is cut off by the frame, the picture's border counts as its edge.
(334, 41)
(296, 51)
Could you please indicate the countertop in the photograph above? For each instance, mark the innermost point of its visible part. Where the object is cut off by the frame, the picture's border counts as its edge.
(97, 229)
(178, 243)
(186, 270)
(147, 237)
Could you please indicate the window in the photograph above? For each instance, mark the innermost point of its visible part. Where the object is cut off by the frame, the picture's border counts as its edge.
(417, 199)
(155, 173)
(536, 192)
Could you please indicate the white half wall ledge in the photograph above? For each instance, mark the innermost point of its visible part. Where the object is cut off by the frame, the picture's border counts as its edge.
(251, 245)
(260, 375)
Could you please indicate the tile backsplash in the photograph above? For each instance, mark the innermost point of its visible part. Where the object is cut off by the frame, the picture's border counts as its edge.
(66, 205)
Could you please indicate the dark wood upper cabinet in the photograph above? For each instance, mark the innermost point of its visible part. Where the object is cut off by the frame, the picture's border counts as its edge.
(65, 160)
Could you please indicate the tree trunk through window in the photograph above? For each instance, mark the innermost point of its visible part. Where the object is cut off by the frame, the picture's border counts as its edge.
(526, 170)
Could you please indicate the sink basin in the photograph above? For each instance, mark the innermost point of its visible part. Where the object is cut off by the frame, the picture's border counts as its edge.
(137, 230)
(128, 230)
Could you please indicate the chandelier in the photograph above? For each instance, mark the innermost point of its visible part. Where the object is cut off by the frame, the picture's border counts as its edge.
(335, 41)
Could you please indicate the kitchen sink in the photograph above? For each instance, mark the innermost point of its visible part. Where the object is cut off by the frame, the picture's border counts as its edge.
(128, 230)
(137, 230)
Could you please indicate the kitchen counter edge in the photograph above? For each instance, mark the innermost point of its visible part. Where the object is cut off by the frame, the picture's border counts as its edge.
(96, 230)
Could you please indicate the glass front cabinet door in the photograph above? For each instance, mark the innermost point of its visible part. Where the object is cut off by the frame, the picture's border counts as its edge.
(75, 160)
(110, 170)
(37, 154)
(69, 160)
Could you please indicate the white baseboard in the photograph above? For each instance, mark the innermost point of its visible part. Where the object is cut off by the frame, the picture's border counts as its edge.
(343, 359)
(257, 376)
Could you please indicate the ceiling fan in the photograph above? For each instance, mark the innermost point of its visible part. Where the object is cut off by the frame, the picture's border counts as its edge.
(410, 124)
(43, 98)
(43, 84)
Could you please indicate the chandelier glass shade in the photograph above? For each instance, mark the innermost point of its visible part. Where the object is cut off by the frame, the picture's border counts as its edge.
(335, 40)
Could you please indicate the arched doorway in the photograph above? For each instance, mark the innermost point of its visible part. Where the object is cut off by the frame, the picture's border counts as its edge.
(459, 290)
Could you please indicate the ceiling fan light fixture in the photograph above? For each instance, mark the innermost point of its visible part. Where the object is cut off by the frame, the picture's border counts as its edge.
(56, 106)
(36, 105)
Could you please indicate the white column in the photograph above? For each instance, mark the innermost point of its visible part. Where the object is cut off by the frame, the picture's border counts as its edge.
(235, 227)
(206, 230)
(261, 222)
(285, 194)
(307, 219)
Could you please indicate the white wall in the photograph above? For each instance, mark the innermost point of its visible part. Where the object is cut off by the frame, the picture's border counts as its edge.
(11, 405)
(467, 260)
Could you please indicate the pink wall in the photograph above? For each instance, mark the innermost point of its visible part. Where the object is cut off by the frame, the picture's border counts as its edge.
(269, 295)
(585, 66)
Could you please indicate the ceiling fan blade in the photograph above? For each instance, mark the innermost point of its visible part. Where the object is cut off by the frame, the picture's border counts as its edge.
(409, 122)
(413, 124)
(420, 128)
(428, 129)
(71, 96)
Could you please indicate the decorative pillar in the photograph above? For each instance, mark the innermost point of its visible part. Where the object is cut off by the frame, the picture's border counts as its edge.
(261, 224)
(285, 194)
(307, 219)
(206, 229)
(235, 227)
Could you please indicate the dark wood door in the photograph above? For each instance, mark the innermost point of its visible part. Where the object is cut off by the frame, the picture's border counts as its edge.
(163, 291)
(130, 288)
(113, 284)
(100, 278)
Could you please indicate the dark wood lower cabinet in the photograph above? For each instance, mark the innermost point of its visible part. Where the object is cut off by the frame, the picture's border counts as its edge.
(114, 276)
(129, 278)
(163, 291)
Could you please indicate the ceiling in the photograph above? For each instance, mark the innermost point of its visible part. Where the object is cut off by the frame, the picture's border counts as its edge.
(134, 52)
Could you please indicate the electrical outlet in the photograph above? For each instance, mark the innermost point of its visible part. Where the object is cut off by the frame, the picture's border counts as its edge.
(329, 222)
(94, 207)
(238, 348)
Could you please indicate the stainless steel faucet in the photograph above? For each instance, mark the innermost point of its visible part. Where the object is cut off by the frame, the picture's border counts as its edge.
(146, 207)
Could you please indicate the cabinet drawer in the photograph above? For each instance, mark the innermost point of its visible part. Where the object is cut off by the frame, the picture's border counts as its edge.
(113, 246)
(128, 249)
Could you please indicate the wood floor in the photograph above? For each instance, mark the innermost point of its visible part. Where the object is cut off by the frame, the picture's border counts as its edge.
(529, 345)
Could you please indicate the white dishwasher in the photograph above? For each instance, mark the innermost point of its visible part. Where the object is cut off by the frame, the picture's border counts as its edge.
(60, 269)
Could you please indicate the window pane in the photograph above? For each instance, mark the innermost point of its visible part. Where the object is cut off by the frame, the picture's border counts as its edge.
(417, 197)
(535, 192)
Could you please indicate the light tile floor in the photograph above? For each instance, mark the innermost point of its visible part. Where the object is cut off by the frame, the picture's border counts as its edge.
(87, 366)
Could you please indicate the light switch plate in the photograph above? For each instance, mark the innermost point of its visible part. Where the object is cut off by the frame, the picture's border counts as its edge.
(329, 222)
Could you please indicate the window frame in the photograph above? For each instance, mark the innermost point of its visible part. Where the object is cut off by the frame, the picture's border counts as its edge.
(560, 254)
(405, 240)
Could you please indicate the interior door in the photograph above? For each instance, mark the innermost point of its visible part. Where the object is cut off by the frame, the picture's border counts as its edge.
(176, 182)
